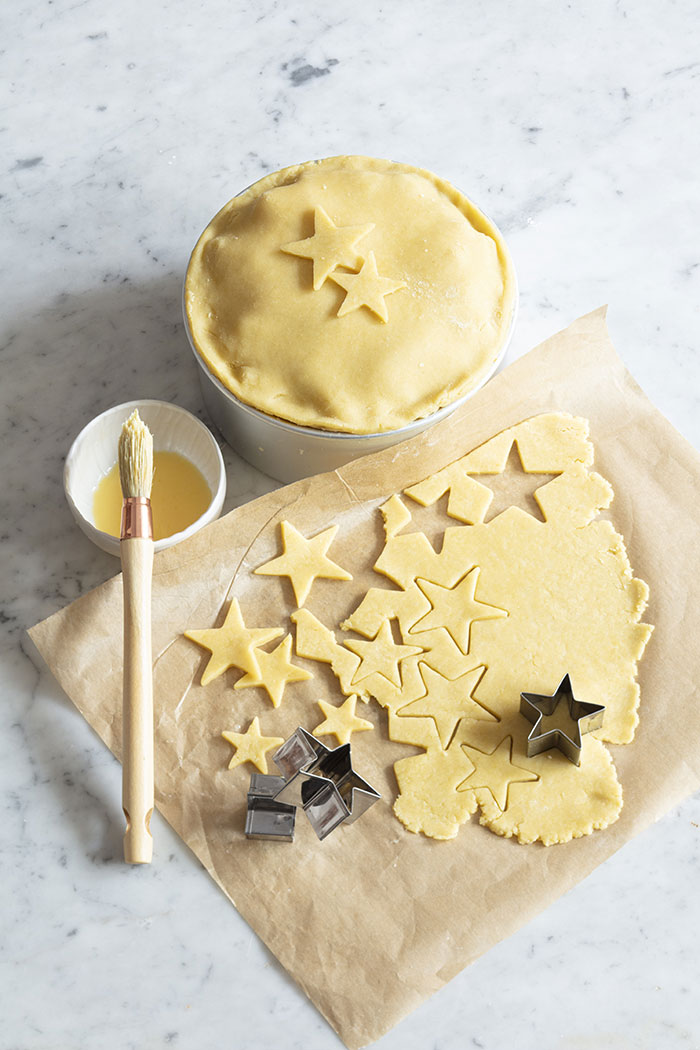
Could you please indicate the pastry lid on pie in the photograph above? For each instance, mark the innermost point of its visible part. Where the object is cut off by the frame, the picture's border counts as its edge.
(350, 294)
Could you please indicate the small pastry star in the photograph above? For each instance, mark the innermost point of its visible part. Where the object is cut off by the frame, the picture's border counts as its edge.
(251, 746)
(495, 771)
(329, 247)
(455, 608)
(447, 702)
(304, 560)
(276, 671)
(341, 721)
(382, 655)
(366, 288)
(232, 645)
(559, 720)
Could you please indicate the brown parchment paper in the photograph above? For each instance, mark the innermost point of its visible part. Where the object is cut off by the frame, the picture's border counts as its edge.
(410, 911)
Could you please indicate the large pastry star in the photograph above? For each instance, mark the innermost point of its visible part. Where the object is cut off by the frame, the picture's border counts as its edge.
(366, 288)
(455, 608)
(341, 721)
(382, 655)
(276, 671)
(232, 645)
(495, 771)
(304, 560)
(446, 702)
(329, 247)
(251, 746)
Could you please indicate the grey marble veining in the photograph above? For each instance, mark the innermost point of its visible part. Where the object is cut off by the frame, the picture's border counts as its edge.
(124, 128)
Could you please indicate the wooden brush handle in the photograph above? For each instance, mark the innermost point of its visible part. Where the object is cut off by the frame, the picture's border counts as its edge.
(137, 738)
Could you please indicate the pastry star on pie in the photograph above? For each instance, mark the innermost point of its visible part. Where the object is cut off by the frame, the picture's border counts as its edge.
(366, 288)
(251, 746)
(276, 671)
(304, 560)
(381, 655)
(341, 721)
(455, 608)
(329, 247)
(232, 645)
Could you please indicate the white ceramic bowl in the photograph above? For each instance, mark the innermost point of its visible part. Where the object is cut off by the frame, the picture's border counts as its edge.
(94, 453)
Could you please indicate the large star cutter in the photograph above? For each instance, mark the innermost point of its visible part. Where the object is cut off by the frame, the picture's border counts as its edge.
(322, 781)
(583, 718)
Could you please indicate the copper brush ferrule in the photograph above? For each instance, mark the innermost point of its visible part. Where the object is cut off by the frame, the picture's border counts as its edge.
(137, 519)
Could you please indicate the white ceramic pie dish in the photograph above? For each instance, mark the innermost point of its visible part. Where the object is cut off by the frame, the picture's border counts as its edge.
(94, 453)
(287, 451)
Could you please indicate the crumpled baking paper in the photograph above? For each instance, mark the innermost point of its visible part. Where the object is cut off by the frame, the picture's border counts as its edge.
(409, 911)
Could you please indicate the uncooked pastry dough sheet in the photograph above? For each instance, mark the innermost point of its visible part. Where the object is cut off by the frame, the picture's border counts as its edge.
(405, 912)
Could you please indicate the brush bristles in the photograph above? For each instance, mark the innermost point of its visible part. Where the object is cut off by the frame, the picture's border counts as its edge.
(136, 457)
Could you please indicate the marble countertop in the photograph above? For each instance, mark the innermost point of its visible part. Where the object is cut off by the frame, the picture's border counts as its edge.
(125, 127)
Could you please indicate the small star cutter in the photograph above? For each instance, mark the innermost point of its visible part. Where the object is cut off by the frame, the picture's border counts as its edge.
(265, 817)
(322, 781)
(583, 718)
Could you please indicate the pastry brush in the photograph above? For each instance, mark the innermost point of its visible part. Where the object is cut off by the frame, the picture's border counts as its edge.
(136, 546)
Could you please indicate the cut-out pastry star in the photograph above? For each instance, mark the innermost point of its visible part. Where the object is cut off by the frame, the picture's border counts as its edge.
(329, 247)
(455, 608)
(276, 671)
(495, 771)
(304, 560)
(366, 288)
(341, 722)
(559, 720)
(381, 655)
(233, 644)
(251, 746)
(447, 702)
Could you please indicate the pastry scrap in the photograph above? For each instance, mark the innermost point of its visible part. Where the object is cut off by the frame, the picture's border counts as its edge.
(509, 605)
(276, 671)
(232, 645)
(341, 722)
(304, 560)
(251, 746)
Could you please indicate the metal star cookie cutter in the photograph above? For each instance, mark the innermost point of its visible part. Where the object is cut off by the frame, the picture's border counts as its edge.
(322, 781)
(267, 818)
(583, 718)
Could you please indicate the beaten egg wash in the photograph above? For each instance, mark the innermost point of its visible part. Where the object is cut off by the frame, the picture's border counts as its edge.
(179, 496)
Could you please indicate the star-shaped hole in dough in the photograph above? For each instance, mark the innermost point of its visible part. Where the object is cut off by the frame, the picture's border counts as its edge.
(494, 771)
(448, 702)
(381, 655)
(251, 746)
(514, 487)
(329, 247)
(456, 608)
(341, 722)
(232, 645)
(366, 288)
(276, 671)
(304, 560)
